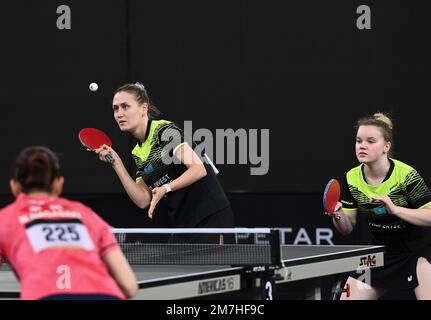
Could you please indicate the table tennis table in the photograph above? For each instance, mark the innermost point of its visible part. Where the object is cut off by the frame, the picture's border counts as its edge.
(298, 262)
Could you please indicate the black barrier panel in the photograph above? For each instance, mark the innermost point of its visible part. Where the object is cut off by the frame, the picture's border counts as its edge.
(46, 72)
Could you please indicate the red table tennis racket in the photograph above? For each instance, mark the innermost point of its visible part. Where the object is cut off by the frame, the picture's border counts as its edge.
(331, 196)
(93, 138)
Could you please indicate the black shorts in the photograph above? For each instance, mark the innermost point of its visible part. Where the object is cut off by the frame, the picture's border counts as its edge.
(220, 219)
(399, 269)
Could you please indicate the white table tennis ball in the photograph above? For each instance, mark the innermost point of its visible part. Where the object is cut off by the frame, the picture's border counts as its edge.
(93, 86)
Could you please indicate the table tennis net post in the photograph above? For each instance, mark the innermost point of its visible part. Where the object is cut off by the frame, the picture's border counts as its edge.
(204, 246)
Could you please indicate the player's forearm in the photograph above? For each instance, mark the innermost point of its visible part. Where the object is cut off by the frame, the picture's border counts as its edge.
(122, 273)
(418, 217)
(137, 194)
(190, 176)
(345, 224)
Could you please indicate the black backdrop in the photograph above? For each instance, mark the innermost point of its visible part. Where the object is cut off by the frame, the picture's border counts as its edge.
(301, 69)
(45, 77)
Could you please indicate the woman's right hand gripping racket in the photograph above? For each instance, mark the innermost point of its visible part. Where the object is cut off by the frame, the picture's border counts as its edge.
(93, 138)
(331, 196)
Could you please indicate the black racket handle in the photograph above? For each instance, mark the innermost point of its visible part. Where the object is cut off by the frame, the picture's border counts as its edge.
(109, 158)
(335, 216)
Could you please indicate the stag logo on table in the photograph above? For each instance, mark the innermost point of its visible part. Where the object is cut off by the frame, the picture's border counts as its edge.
(368, 261)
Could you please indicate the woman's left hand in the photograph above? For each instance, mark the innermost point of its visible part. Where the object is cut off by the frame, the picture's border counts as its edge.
(387, 203)
(157, 194)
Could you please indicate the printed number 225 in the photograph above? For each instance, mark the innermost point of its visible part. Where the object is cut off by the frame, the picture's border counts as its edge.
(61, 233)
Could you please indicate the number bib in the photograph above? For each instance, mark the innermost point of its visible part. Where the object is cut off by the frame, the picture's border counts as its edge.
(55, 234)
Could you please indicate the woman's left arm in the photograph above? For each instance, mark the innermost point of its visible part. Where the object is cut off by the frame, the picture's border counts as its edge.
(419, 217)
(195, 171)
(195, 168)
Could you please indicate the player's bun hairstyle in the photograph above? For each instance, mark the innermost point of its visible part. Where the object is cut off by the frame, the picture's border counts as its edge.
(381, 121)
(35, 169)
(141, 96)
(383, 118)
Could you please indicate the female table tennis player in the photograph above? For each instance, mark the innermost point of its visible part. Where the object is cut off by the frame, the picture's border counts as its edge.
(397, 202)
(58, 249)
(192, 192)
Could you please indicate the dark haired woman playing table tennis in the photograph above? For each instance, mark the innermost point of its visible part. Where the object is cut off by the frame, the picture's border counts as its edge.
(397, 202)
(168, 169)
(58, 249)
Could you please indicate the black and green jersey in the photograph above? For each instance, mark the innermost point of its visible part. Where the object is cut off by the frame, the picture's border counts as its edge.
(154, 159)
(156, 164)
(404, 186)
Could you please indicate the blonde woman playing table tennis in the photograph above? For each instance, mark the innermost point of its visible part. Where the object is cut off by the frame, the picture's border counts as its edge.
(397, 204)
